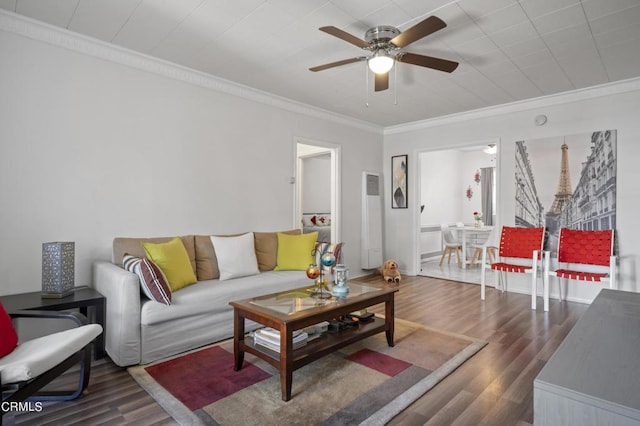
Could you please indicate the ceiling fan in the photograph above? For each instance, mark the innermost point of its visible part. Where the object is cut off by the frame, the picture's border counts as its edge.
(385, 42)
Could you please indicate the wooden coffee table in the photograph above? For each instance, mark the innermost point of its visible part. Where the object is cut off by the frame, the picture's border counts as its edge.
(292, 310)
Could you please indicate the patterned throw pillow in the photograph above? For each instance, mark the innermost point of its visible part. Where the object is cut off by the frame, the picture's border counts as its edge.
(172, 257)
(308, 219)
(152, 281)
(316, 220)
(321, 220)
(8, 336)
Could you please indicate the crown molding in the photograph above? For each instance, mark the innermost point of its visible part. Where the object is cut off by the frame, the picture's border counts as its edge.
(577, 95)
(60, 37)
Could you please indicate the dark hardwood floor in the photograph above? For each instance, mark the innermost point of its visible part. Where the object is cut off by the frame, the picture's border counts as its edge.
(495, 387)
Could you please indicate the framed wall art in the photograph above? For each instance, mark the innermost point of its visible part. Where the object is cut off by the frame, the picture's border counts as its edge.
(399, 173)
(567, 181)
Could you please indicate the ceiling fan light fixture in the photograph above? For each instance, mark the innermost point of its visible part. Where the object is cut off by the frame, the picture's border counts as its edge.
(385, 44)
(380, 62)
(491, 149)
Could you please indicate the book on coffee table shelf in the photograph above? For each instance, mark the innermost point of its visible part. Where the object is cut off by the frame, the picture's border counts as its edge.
(317, 329)
(270, 338)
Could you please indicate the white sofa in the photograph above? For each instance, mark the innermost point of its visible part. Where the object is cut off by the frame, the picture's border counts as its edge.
(139, 330)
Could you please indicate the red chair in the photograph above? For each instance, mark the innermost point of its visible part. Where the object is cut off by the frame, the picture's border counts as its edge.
(522, 247)
(582, 256)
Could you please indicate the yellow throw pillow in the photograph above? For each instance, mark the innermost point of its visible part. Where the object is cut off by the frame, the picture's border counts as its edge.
(295, 252)
(173, 259)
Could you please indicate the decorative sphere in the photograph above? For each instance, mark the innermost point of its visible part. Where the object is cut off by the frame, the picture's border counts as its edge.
(328, 259)
(313, 271)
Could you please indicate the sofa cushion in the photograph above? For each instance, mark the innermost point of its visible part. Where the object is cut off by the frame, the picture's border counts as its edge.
(133, 246)
(152, 280)
(213, 296)
(206, 261)
(173, 259)
(9, 339)
(236, 256)
(295, 252)
(266, 246)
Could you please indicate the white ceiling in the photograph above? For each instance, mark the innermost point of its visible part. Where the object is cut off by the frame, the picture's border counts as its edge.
(509, 50)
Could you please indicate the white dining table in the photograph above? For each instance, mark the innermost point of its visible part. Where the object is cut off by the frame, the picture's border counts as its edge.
(464, 236)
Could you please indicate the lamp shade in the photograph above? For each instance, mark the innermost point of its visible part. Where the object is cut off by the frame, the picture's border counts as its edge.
(58, 269)
(380, 62)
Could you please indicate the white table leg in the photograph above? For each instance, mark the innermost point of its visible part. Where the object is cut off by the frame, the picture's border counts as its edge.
(464, 249)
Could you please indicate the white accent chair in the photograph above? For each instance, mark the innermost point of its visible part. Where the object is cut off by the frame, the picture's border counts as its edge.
(36, 362)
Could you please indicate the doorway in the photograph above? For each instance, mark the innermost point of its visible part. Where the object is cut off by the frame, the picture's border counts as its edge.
(317, 189)
(452, 185)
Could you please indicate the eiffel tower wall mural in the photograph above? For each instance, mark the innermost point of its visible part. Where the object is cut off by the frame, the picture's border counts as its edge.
(566, 182)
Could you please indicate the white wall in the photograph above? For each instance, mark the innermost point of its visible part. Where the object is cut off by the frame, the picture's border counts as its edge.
(92, 149)
(316, 184)
(444, 178)
(440, 182)
(613, 106)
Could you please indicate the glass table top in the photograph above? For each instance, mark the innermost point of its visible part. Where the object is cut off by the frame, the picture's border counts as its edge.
(290, 302)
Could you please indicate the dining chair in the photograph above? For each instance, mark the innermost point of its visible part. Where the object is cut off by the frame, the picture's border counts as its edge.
(582, 256)
(450, 244)
(520, 252)
(488, 246)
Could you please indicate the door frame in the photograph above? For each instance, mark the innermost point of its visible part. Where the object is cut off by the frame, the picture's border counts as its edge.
(417, 193)
(336, 169)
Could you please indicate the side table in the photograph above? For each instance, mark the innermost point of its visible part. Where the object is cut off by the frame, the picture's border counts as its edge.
(82, 299)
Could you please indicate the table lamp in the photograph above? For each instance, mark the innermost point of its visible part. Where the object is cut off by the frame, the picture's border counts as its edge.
(58, 269)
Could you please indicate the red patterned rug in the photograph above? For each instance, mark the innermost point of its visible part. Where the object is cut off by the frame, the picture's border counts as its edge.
(364, 382)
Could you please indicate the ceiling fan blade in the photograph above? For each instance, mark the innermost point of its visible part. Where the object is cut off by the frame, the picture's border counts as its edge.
(382, 82)
(418, 31)
(343, 35)
(337, 64)
(427, 61)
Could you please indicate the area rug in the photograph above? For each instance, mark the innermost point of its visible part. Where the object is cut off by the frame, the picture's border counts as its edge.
(364, 383)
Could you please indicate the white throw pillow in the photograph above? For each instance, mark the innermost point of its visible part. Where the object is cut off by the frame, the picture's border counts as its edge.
(236, 256)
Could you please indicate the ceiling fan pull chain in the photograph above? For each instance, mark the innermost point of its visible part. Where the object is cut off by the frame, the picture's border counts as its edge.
(395, 85)
(366, 84)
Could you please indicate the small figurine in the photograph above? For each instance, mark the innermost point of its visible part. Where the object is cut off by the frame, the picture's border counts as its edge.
(390, 272)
